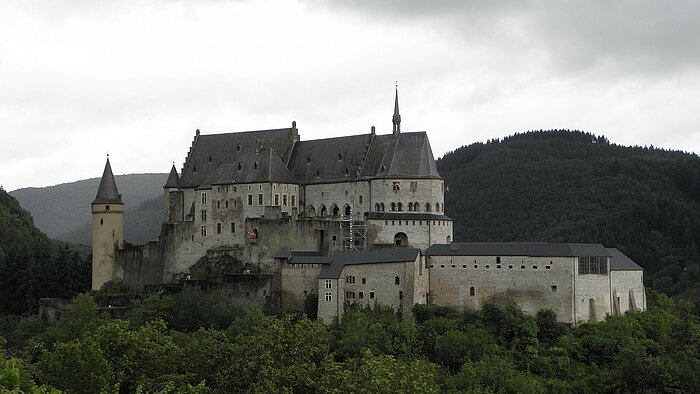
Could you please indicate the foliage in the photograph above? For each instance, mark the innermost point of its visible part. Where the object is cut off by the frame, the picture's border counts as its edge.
(571, 186)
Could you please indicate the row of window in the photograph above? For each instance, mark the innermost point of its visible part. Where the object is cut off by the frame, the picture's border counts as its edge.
(487, 266)
(219, 228)
(351, 279)
(472, 290)
(420, 222)
(412, 207)
(293, 265)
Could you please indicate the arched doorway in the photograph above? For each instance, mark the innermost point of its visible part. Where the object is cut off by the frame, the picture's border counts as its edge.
(400, 239)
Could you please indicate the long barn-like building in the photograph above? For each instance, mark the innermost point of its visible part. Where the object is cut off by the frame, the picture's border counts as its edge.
(269, 219)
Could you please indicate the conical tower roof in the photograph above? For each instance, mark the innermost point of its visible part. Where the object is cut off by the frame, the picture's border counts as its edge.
(107, 193)
(173, 179)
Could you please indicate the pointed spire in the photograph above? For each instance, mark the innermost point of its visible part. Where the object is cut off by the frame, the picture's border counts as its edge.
(107, 193)
(396, 119)
(173, 179)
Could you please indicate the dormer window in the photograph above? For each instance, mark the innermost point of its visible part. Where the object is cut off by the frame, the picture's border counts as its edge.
(211, 159)
(383, 169)
(194, 170)
(240, 166)
(308, 159)
(347, 171)
(318, 173)
(255, 165)
(340, 156)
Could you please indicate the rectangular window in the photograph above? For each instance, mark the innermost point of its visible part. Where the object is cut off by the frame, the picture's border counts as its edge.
(361, 295)
(218, 228)
(397, 280)
(553, 288)
(250, 199)
(364, 281)
(371, 295)
(204, 215)
(329, 284)
(218, 204)
(204, 231)
(260, 199)
(414, 186)
(284, 200)
(597, 265)
(294, 200)
(204, 198)
(328, 296)
(401, 295)
(277, 199)
(233, 227)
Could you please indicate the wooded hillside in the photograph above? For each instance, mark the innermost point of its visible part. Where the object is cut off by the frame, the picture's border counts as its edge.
(571, 186)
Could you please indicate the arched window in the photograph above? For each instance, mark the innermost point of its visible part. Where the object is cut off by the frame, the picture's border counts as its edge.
(311, 212)
(416, 206)
(323, 211)
(427, 207)
(335, 210)
(410, 206)
(401, 239)
(393, 206)
(381, 207)
(347, 210)
(400, 206)
(376, 207)
(437, 207)
(448, 240)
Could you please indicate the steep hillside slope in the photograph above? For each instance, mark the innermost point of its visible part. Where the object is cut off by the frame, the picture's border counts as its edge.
(563, 186)
(63, 211)
(31, 265)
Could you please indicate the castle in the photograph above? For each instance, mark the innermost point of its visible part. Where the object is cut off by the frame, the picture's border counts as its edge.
(266, 218)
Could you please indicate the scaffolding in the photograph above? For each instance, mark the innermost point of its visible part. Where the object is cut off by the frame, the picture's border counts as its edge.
(353, 233)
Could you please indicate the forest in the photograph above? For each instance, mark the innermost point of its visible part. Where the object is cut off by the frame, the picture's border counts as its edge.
(194, 342)
(571, 186)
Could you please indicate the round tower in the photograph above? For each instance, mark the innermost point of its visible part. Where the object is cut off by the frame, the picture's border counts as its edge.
(107, 229)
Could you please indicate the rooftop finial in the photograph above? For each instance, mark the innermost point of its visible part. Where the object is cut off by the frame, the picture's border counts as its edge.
(396, 119)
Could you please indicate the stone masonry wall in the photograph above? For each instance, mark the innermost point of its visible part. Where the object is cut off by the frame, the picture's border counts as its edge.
(533, 287)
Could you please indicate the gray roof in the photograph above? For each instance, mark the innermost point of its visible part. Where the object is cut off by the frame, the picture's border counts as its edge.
(173, 179)
(339, 159)
(342, 258)
(409, 156)
(208, 152)
(251, 167)
(534, 249)
(620, 262)
(107, 192)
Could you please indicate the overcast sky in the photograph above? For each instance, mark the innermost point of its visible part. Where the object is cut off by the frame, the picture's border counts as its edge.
(79, 79)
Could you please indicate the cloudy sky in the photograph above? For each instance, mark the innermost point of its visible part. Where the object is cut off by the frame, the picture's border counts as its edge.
(82, 78)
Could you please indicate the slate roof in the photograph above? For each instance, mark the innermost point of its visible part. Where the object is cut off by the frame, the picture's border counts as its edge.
(208, 152)
(173, 179)
(621, 262)
(107, 192)
(342, 258)
(338, 159)
(251, 167)
(534, 249)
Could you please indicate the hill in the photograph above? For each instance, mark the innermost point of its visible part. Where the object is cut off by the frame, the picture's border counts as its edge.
(571, 186)
(33, 266)
(63, 211)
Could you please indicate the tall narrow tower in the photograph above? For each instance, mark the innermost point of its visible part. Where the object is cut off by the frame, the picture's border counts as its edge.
(107, 228)
(396, 119)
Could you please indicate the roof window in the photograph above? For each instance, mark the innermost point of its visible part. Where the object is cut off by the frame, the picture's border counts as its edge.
(318, 173)
(347, 171)
(238, 148)
(255, 165)
(194, 170)
(211, 159)
(340, 156)
(240, 166)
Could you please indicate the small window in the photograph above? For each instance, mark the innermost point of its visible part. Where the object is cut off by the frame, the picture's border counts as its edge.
(464, 266)
(510, 267)
(308, 159)
(106, 207)
(361, 295)
(472, 291)
(218, 228)
(371, 295)
(476, 266)
(260, 199)
(487, 266)
(102, 221)
(204, 231)
(340, 156)
(328, 296)
(534, 267)
(453, 266)
(400, 295)
(329, 284)
(238, 148)
(522, 267)
(397, 280)
(553, 288)
(364, 281)
(240, 167)
(442, 266)
(547, 267)
(250, 199)
(498, 267)
(233, 227)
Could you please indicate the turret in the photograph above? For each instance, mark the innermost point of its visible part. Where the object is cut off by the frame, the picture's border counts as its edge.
(107, 229)
(172, 197)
